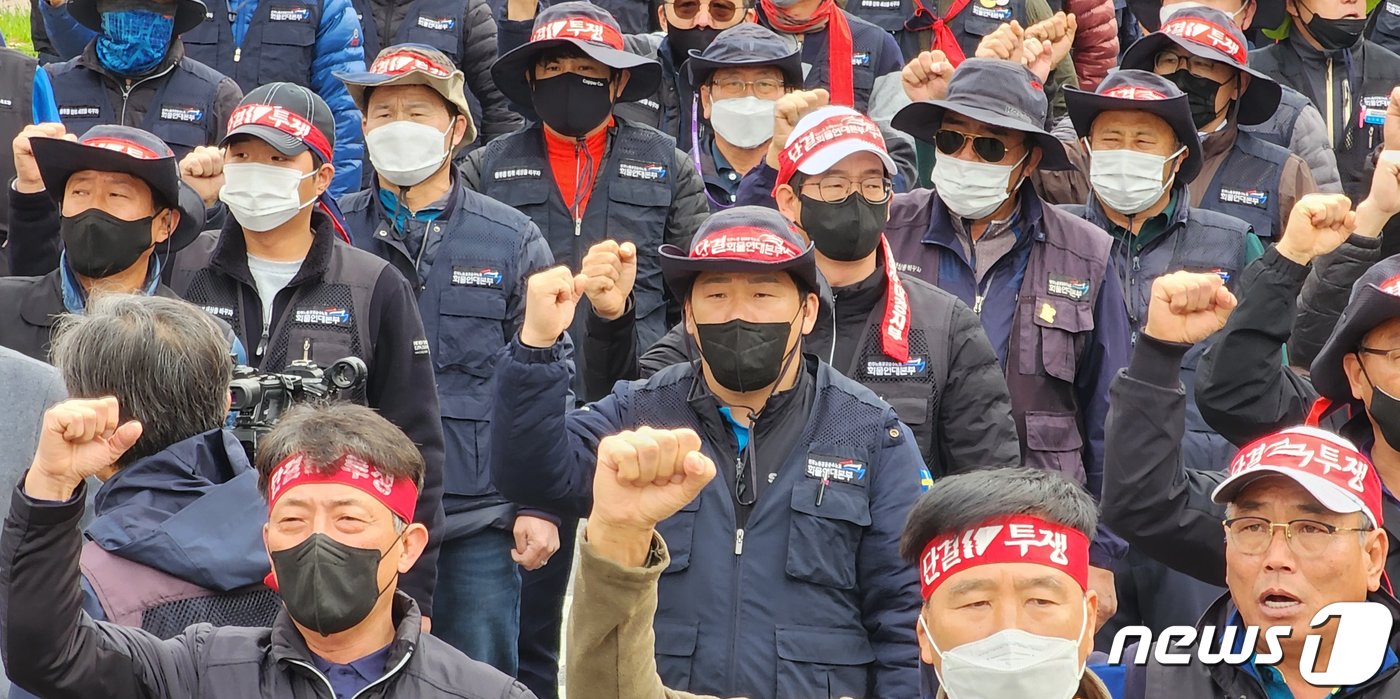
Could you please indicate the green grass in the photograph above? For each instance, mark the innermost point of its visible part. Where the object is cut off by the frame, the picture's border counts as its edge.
(14, 24)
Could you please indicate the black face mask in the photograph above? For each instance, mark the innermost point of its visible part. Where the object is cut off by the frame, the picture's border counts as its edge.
(328, 587)
(682, 41)
(1385, 410)
(99, 244)
(1335, 34)
(845, 231)
(572, 104)
(1200, 94)
(744, 356)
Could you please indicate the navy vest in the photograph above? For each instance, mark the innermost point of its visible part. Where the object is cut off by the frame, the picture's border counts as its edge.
(281, 42)
(181, 112)
(1246, 185)
(16, 112)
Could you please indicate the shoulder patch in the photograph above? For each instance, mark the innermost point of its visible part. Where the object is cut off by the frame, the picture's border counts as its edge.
(638, 170)
(1065, 286)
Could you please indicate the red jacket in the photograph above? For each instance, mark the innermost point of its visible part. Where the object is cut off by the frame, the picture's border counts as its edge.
(1095, 49)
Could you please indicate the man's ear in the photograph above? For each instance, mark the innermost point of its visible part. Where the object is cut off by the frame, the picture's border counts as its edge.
(1375, 547)
(661, 15)
(459, 131)
(415, 540)
(810, 304)
(621, 84)
(163, 226)
(324, 175)
(789, 205)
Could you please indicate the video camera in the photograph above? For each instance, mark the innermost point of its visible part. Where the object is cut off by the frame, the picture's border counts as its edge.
(259, 400)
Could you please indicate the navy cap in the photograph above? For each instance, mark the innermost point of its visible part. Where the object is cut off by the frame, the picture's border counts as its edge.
(1142, 91)
(288, 117)
(993, 92)
(587, 27)
(128, 150)
(188, 13)
(741, 239)
(747, 45)
(1209, 33)
(1375, 299)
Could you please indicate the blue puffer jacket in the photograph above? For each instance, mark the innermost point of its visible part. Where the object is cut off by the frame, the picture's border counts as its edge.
(281, 56)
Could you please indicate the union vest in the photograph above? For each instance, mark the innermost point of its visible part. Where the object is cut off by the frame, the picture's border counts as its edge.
(631, 200)
(1246, 185)
(978, 19)
(281, 38)
(181, 111)
(16, 112)
(132, 594)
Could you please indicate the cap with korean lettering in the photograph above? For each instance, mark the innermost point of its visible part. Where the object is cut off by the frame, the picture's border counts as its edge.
(821, 139)
(1209, 33)
(412, 64)
(1329, 467)
(288, 117)
(741, 239)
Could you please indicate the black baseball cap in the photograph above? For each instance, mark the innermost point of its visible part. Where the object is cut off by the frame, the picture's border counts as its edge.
(1140, 90)
(288, 117)
(741, 239)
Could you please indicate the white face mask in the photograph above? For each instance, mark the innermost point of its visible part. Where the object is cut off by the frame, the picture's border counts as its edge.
(972, 189)
(263, 197)
(745, 122)
(405, 152)
(1127, 181)
(1012, 663)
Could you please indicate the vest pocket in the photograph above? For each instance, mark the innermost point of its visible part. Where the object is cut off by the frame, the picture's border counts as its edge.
(1053, 443)
(466, 429)
(323, 346)
(675, 648)
(1059, 322)
(823, 539)
(678, 531)
(470, 330)
(822, 663)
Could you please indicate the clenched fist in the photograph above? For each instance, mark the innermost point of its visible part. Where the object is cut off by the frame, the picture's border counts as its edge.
(647, 475)
(1318, 224)
(27, 179)
(926, 77)
(787, 112)
(79, 438)
(1058, 31)
(1187, 307)
(609, 270)
(551, 296)
(203, 171)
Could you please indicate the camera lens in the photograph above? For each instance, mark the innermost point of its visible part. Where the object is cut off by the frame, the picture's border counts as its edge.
(347, 373)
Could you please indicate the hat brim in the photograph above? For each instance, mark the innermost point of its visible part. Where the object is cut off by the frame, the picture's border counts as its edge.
(1329, 494)
(922, 119)
(357, 84)
(680, 269)
(825, 158)
(509, 70)
(282, 142)
(699, 69)
(1259, 101)
(1366, 311)
(188, 15)
(1084, 107)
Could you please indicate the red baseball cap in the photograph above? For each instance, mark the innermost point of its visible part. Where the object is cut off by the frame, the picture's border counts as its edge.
(1329, 467)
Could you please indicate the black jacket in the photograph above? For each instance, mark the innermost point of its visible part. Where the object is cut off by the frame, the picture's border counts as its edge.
(1326, 292)
(54, 649)
(342, 302)
(1162, 508)
(952, 393)
(28, 308)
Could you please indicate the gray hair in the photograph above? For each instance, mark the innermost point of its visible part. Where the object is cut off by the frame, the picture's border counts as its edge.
(957, 503)
(322, 433)
(166, 361)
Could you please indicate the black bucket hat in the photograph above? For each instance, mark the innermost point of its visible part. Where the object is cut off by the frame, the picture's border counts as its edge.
(741, 239)
(1268, 14)
(1375, 299)
(1142, 91)
(747, 45)
(1209, 33)
(996, 93)
(589, 28)
(128, 150)
(188, 13)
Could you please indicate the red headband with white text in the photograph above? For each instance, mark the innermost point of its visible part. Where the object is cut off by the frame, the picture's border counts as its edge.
(1019, 539)
(400, 495)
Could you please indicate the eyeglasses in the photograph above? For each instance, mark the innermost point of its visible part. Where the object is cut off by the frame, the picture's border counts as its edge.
(987, 148)
(720, 10)
(1253, 535)
(834, 189)
(766, 88)
(1169, 62)
(1391, 355)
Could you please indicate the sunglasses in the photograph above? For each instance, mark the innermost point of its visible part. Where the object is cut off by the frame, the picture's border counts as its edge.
(987, 148)
(720, 10)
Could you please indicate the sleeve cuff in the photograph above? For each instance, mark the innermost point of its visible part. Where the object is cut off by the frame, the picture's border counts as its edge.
(539, 514)
(599, 326)
(1157, 362)
(1288, 269)
(535, 355)
(48, 512)
(616, 574)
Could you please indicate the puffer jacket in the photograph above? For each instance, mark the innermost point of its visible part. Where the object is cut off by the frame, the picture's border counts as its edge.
(1095, 50)
(1298, 126)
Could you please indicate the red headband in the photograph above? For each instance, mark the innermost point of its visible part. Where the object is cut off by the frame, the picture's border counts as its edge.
(125, 147)
(400, 495)
(1210, 34)
(581, 28)
(836, 128)
(286, 121)
(1133, 92)
(1019, 539)
(403, 61)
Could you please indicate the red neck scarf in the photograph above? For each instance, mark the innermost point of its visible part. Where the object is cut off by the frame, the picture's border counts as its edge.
(943, 38)
(894, 333)
(840, 47)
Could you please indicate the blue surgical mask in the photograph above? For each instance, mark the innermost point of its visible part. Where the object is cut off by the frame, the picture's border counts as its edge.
(133, 42)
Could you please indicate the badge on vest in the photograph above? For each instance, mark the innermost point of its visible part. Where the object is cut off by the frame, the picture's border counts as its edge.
(329, 315)
(479, 277)
(218, 311)
(637, 170)
(187, 115)
(6, 102)
(650, 104)
(835, 468)
(290, 14)
(880, 4)
(862, 58)
(420, 346)
(80, 112)
(889, 369)
(1068, 287)
(517, 173)
(1248, 197)
(998, 13)
(438, 24)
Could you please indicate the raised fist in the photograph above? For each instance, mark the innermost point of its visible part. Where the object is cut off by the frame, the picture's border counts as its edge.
(27, 179)
(203, 171)
(645, 476)
(1059, 32)
(609, 270)
(1187, 307)
(79, 438)
(787, 112)
(551, 296)
(1318, 224)
(926, 77)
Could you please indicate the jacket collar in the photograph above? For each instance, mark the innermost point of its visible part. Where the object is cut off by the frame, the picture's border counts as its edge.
(88, 59)
(44, 301)
(1180, 211)
(941, 230)
(231, 252)
(288, 645)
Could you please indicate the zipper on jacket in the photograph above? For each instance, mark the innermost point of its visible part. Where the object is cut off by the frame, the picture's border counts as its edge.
(129, 86)
(1331, 109)
(402, 662)
(982, 290)
(316, 673)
